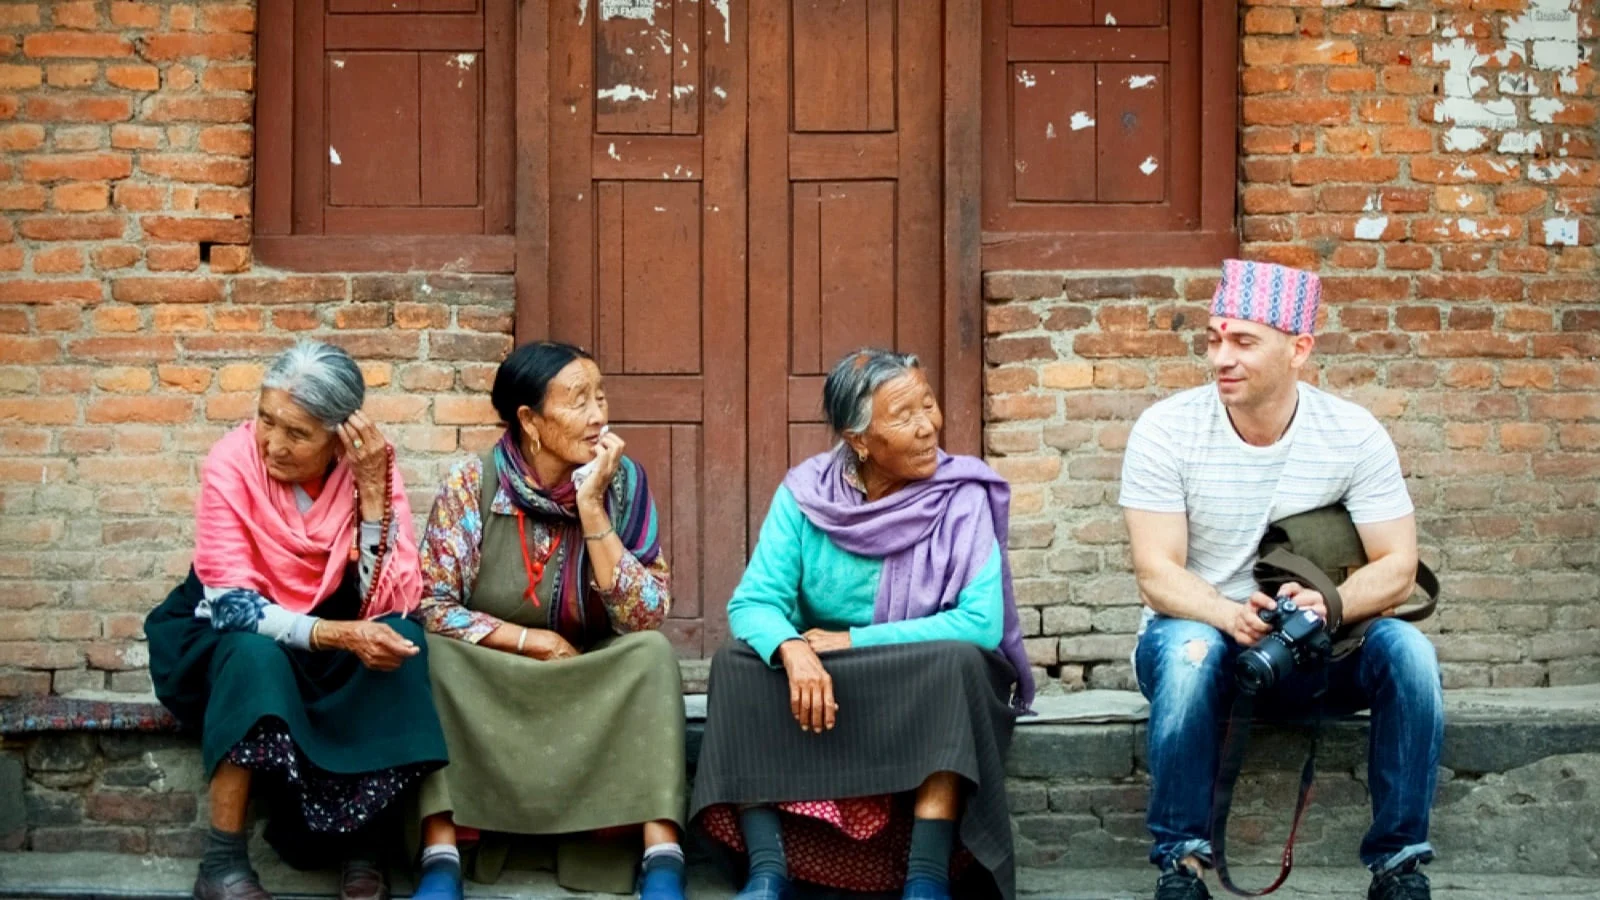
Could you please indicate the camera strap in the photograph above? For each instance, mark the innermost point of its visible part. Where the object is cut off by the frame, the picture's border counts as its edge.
(1234, 744)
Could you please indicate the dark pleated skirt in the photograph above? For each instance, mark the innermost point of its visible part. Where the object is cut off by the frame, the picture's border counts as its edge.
(905, 712)
(345, 721)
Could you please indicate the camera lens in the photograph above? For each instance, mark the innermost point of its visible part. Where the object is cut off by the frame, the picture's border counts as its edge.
(1259, 668)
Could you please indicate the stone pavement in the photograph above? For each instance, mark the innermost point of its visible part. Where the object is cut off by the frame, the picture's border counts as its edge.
(104, 876)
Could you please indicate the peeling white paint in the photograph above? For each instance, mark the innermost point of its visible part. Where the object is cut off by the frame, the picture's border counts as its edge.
(727, 23)
(1518, 84)
(583, 10)
(1025, 79)
(1465, 172)
(1560, 56)
(664, 41)
(1467, 226)
(721, 94)
(1022, 166)
(1140, 82)
(1461, 87)
(1464, 140)
(1545, 109)
(1463, 201)
(660, 209)
(1371, 228)
(611, 151)
(1149, 165)
(681, 91)
(642, 10)
(1081, 120)
(1374, 202)
(1504, 168)
(629, 51)
(463, 60)
(333, 156)
(1561, 232)
(1551, 171)
(624, 92)
(1521, 142)
(1568, 84)
(572, 108)
(1110, 19)
(1049, 131)
(338, 64)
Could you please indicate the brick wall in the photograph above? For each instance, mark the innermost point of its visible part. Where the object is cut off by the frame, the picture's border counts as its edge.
(133, 325)
(1435, 161)
(1459, 258)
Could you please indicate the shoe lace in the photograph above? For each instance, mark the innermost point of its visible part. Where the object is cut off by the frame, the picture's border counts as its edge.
(1408, 885)
(1181, 886)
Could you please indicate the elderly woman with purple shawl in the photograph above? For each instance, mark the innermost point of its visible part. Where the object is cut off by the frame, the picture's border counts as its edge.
(876, 613)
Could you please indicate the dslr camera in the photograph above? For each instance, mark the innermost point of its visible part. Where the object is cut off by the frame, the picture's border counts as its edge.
(1299, 639)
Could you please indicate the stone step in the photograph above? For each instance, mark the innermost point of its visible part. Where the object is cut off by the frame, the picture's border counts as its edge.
(104, 876)
(1521, 767)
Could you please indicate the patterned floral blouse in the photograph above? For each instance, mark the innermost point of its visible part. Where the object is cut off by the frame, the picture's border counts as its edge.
(639, 599)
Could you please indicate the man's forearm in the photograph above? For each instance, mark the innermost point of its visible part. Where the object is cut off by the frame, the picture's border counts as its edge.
(1378, 587)
(1172, 590)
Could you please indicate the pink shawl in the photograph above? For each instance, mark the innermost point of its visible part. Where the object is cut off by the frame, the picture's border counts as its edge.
(249, 533)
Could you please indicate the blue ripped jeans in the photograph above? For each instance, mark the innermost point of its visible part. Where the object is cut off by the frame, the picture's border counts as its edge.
(1185, 669)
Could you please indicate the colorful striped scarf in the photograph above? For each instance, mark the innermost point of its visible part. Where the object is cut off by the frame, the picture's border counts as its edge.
(577, 613)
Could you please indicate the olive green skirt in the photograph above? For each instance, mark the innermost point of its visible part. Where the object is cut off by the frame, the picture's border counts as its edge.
(550, 748)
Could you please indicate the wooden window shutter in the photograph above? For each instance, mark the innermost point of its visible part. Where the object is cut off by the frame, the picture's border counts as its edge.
(384, 132)
(1109, 132)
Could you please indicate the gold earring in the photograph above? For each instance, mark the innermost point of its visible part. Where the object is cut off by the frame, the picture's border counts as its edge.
(861, 455)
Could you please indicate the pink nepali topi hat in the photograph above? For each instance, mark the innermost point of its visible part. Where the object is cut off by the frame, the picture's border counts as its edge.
(1284, 298)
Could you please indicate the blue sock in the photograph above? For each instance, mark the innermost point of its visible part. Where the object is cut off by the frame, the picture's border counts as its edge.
(441, 874)
(661, 876)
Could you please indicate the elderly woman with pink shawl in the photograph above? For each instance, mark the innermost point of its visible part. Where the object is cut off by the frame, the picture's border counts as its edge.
(288, 646)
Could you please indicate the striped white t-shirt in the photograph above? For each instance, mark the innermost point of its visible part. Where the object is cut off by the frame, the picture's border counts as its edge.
(1184, 456)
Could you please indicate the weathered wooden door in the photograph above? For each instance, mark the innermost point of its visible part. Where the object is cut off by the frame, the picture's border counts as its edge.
(738, 193)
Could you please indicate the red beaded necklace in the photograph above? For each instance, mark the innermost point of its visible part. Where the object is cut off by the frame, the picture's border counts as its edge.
(383, 533)
(534, 568)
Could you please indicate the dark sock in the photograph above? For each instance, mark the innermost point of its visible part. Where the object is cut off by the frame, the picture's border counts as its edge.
(226, 851)
(763, 840)
(931, 840)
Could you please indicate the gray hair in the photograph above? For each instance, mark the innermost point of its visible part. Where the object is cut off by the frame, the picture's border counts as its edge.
(321, 379)
(847, 394)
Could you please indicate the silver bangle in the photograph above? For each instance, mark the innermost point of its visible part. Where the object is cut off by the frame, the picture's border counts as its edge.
(601, 536)
(521, 640)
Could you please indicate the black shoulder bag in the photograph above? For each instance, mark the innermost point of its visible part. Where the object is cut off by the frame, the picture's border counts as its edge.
(1318, 550)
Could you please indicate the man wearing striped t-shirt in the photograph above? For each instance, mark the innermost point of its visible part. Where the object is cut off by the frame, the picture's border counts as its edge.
(1206, 471)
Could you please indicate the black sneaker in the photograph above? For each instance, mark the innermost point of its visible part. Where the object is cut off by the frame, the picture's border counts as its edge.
(1181, 884)
(1404, 883)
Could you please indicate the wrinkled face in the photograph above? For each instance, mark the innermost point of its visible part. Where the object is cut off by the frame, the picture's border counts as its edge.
(295, 446)
(1252, 362)
(574, 412)
(902, 440)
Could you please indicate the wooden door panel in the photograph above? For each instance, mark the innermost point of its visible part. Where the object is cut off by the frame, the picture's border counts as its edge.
(1053, 131)
(646, 186)
(451, 123)
(371, 97)
(846, 204)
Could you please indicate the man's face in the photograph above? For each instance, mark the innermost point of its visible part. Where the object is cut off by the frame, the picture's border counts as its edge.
(1252, 362)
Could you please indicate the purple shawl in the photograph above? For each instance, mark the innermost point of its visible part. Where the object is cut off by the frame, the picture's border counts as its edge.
(932, 535)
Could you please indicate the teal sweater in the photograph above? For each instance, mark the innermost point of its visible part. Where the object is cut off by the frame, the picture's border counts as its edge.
(799, 579)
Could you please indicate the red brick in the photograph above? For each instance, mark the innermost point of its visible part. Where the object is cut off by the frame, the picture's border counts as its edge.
(77, 166)
(1564, 406)
(1580, 346)
(1466, 344)
(474, 347)
(485, 318)
(1269, 21)
(1407, 256)
(80, 197)
(1352, 256)
(21, 137)
(135, 15)
(1562, 290)
(135, 137)
(116, 256)
(1417, 318)
(234, 346)
(1267, 51)
(1018, 407)
(135, 807)
(186, 318)
(229, 77)
(1466, 228)
(58, 261)
(1269, 141)
(1519, 200)
(202, 46)
(1525, 318)
(1349, 81)
(72, 75)
(200, 109)
(123, 348)
(67, 43)
(1465, 170)
(227, 18)
(195, 168)
(1259, 198)
(1464, 259)
(18, 351)
(49, 290)
(237, 318)
(1299, 111)
(1408, 80)
(139, 197)
(226, 201)
(39, 410)
(190, 379)
(1266, 81)
(1501, 289)
(166, 290)
(228, 259)
(158, 409)
(19, 14)
(1401, 139)
(1316, 170)
(1386, 111)
(134, 78)
(22, 196)
(55, 108)
(172, 257)
(80, 14)
(296, 319)
(10, 258)
(1539, 376)
(227, 141)
(1101, 346)
(222, 231)
(1344, 288)
(14, 77)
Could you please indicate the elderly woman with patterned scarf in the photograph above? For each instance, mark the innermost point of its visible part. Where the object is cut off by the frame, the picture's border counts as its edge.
(561, 701)
(288, 646)
(870, 614)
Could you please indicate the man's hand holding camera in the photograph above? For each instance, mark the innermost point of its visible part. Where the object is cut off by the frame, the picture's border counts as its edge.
(1305, 598)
